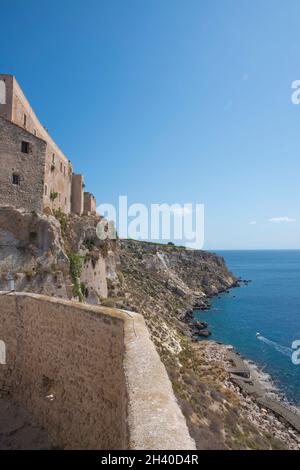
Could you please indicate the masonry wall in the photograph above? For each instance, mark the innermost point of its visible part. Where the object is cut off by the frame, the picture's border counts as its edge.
(57, 169)
(6, 107)
(89, 206)
(89, 375)
(77, 194)
(65, 366)
(29, 167)
(58, 179)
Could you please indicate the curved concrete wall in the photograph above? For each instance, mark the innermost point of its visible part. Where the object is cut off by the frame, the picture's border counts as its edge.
(90, 375)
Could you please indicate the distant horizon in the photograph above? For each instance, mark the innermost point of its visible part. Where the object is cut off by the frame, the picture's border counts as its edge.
(170, 243)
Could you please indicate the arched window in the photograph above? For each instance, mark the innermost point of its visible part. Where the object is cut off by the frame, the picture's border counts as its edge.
(2, 92)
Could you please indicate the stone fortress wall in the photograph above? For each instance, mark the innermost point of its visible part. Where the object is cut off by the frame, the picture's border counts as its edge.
(21, 174)
(89, 203)
(57, 171)
(89, 375)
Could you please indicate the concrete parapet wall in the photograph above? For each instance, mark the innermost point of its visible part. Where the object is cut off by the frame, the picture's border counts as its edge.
(90, 375)
(155, 419)
(65, 366)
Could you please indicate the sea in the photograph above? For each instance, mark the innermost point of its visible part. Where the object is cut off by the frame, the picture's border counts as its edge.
(268, 305)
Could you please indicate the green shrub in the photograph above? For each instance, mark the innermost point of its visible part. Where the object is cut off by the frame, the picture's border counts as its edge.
(76, 263)
(84, 289)
(62, 218)
(53, 195)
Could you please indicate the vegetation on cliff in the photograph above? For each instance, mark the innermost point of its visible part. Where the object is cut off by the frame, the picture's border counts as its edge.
(164, 283)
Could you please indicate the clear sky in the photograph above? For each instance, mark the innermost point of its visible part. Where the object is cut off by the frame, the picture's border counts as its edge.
(171, 101)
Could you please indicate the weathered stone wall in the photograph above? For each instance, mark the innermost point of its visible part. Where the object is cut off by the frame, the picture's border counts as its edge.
(94, 277)
(89, 204)
(65, 365)
(57, 171)
(58, 179)
(77, 194)
(29, 167)
(6, 107)
(89, 375)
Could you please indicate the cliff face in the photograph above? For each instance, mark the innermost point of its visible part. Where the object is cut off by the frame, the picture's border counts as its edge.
(168, 281)
(190, 274)
(53, 255)
(32, 251)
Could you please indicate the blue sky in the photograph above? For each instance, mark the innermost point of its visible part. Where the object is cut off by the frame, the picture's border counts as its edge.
(171, 101)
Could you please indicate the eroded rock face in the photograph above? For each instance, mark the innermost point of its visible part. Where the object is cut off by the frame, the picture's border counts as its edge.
(164, 283)
(36, 251)
(32, 250)
(176, 279)
(99, 258)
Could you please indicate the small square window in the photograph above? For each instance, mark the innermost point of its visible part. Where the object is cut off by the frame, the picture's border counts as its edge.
(25, 147)
(16, 179)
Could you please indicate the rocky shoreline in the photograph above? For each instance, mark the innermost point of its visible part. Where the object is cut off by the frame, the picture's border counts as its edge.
(201, 328)
(251, 382)
(260, 416)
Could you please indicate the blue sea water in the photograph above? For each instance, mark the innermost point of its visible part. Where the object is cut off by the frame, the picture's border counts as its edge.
(270, 305)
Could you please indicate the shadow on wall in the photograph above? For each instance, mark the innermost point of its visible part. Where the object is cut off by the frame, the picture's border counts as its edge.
(89, 375)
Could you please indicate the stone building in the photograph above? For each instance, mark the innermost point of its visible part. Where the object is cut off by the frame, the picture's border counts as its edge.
(35, 174)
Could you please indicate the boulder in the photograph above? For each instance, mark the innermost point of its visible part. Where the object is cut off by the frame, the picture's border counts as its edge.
(200, 325)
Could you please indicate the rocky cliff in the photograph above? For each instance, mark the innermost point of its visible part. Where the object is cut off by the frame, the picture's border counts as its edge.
(62, 256)
(167, 281)
(32, 252)
(53, 254)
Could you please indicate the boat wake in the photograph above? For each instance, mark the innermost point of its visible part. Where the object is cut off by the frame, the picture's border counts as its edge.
(282, 349)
